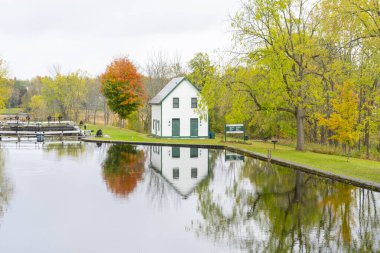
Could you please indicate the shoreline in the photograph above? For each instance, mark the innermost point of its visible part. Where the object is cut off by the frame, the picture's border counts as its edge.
(304, 168)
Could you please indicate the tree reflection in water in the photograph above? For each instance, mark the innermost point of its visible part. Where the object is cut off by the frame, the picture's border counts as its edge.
(62, 149)
(123, 168)
(5, 186)
(265, 208)
(161, 194)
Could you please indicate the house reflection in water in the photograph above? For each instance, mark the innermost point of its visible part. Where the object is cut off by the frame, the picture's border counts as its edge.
(183, 168)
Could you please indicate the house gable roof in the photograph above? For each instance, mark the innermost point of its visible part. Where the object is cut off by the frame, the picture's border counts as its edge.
(174, 83)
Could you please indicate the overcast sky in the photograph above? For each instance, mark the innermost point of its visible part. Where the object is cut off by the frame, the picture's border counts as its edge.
(88, 34)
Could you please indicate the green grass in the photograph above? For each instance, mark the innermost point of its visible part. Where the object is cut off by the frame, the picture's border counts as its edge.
(10, 111)
(368, 170)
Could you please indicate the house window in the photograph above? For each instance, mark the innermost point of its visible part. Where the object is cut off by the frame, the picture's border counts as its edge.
(175, 173)
(154, 122)
(193, 152)
(175, 102)
(194, 172)
(194, 103)
(158, 125)
(176, 153)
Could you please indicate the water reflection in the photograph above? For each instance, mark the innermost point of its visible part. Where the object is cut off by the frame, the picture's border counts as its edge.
(248, 204)
(209, 201)
(123, 168)
(5, 186)
(182, 168)
(63, 149)
(261, 208)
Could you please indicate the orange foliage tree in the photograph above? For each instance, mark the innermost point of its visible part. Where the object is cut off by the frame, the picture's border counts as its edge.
(123, 87)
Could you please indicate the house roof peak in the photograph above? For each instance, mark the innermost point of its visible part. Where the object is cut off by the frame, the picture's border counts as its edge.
(166, 90)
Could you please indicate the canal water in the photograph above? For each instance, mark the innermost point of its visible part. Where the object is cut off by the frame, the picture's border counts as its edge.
(83, 197)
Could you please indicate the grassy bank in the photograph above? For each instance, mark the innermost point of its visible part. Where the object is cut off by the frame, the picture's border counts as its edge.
(10, 111)
(355, 168)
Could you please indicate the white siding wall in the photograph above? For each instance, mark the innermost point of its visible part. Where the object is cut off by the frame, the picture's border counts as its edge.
(156, 117)
(185, 91)
(155, 157)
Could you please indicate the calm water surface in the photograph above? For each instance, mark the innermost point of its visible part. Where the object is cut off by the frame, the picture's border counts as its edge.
(79, 197)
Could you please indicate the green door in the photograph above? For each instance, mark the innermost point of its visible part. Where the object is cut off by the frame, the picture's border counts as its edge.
(175, 127)
(193, 127)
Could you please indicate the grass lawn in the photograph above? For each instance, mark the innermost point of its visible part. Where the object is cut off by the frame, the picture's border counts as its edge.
(10, 111)
(355, 168)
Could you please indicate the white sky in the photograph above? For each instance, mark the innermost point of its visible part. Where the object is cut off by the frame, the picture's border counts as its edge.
(88, 34)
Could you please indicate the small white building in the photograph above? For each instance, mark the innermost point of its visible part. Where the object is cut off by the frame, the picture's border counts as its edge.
(183, 168)
(175, 112)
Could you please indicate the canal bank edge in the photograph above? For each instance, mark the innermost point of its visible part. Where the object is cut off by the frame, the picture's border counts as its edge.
(311, 170)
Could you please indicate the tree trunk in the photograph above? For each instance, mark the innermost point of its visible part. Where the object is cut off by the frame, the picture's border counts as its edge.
(76, 115)
(148, 121)
(95, 117)
(344, 148)
(366, 139)
(88, 115)
(323, 135)
(106, 114)
(329, 111)
(360, 114)
(315, 131)
(329, 134)
(300, 130)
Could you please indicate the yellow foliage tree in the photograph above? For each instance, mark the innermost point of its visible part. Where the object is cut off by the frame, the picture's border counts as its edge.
(64, 93)
(344, 120)
(38, 107)
(5, 85)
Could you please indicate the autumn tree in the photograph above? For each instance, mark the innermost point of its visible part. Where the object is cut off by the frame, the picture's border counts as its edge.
(354, 27)
(34, 88)
(343, 121)
(359, 16)
(203, 74)
(279, 38)
(38, 107)
(64, 93)
(5, 84)
(202, 70)
(123, 88)
(19, 89)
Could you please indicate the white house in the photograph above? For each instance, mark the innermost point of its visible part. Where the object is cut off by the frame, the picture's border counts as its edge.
(183, 168)
(174, 111)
